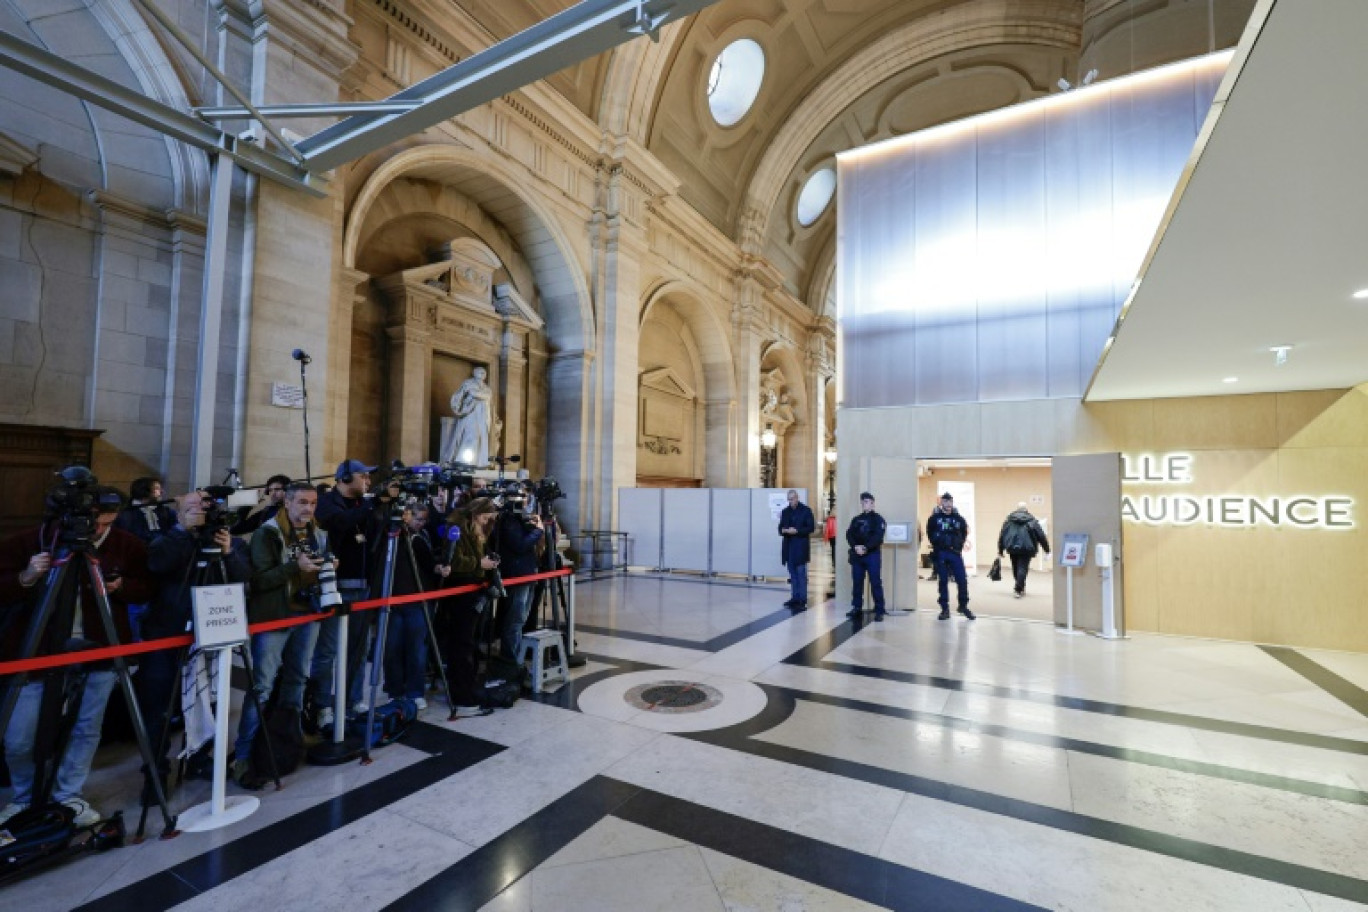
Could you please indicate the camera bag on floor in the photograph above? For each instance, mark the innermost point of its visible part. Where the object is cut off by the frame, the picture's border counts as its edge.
(286, 746)
(503, 682)
(392, 720)
(35, 839)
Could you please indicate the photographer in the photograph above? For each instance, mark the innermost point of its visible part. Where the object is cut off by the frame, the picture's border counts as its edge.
(145, 516)
(272, 497)
(517, 539)
(25, 560)
(355, 526)
(285, 563)
(469, 564)
(171, 558)
(406, 640)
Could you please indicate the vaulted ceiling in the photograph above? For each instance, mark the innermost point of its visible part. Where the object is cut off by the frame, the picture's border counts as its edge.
(844, 73)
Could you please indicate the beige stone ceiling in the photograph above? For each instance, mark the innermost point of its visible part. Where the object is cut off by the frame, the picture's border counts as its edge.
(844, 73)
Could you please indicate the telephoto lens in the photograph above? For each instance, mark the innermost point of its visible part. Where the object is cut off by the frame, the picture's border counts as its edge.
(328, 596)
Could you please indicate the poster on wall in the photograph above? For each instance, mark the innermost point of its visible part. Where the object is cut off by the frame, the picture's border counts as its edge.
(963, 492)
(777, 501)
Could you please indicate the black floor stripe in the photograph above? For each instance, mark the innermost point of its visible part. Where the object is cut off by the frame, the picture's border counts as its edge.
(716, 644)
(482, 875)
(844, 871)
(813, 656)
(1237, 862)
(1346, 691)
(1129, 755)
(451, 752)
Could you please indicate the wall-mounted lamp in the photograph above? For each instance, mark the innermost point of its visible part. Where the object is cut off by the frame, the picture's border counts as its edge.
(767, 438)
(1279, 354)
(768, 463)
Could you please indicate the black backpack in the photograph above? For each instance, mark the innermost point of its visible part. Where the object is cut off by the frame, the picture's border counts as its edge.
(280, 738)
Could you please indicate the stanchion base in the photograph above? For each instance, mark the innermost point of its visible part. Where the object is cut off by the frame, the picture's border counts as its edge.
(1114, 636)
(335, 753)
(202, 818)
(1070, 631)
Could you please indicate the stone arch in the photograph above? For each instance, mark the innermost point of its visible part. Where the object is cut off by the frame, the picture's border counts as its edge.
(719, 394)
(632, 86)
(1042, 23)
(561, 281)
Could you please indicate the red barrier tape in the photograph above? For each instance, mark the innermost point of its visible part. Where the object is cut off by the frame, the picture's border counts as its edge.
(43, 663)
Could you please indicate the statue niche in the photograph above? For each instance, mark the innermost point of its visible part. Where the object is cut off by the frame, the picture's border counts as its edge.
(460, 340)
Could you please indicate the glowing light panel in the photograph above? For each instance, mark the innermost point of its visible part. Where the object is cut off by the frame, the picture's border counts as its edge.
(987, 260)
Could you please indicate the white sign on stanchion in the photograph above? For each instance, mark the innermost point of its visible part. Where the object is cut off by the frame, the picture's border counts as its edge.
(220, 614)
(1071, 556)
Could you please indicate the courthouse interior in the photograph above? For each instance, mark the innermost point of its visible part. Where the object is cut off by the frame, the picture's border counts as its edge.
(1102, 259)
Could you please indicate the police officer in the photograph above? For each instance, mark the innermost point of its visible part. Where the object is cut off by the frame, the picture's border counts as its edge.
(865, 538)
(947, 532)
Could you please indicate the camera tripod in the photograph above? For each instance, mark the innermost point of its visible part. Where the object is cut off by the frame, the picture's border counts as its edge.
(554, 589)
(207, 569)
(397, 537)
(74, 563)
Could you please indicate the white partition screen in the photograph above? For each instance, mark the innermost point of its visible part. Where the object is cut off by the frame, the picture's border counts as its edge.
(987, 259)
(639, 517)
(731, 531)
(687, 520)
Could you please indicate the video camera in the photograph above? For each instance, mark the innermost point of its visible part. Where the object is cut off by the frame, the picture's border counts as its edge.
(218, 515)
(76, 500)
(509, 495)
(423, 481)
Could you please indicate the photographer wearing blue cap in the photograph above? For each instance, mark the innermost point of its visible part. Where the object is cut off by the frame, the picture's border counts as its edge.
(355, 524)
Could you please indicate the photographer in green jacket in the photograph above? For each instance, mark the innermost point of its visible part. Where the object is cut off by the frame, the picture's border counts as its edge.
(470, 527)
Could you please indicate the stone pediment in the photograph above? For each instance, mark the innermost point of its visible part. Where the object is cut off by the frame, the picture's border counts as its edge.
(665, 380)
(465, 280)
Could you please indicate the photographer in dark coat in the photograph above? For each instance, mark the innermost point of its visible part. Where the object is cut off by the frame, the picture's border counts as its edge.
(515, 540)
(947, 531)
(171, 558)
(25, 559)
(406, 653)
(796, 525)
(1022, 538)
(355, 525)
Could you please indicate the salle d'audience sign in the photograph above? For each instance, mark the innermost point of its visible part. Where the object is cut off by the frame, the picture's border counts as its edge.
(1228, 509)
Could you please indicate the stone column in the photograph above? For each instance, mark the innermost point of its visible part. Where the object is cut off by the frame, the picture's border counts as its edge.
(568, 376)
(748, 342)
(513, 371)
(349, 292)
(410, 378)
(722, 463)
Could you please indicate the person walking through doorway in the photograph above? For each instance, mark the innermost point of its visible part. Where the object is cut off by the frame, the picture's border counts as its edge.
(1022, 538)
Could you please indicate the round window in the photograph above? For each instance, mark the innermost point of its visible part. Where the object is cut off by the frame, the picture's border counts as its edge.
(734, 81)
(816, 195)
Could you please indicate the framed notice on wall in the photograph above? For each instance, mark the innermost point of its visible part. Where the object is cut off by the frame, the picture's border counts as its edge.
(898, 533)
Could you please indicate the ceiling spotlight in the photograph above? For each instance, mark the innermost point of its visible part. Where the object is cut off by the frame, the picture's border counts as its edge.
(1230, 379)
(1361, 294)
(1064, 84)
(1089, 77)
(1279, 354)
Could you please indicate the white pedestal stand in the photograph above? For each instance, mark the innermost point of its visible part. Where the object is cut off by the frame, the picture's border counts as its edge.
(1069, 602)
(893, 609)
(221, 810)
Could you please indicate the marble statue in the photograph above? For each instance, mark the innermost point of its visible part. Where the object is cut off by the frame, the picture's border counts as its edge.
(466, 438)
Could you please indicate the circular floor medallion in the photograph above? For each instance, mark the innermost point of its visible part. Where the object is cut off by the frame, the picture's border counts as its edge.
(673, 696)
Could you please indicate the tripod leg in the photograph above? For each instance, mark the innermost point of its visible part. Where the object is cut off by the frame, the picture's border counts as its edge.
(164, 735)
(246, 655)
(38, 623)
(126, 685)
(437, 653)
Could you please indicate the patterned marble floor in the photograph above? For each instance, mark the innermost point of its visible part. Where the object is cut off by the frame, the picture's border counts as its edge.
(719, 752)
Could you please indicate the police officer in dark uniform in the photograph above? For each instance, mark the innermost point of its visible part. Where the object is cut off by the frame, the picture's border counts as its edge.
(947, 532)
(865, 537)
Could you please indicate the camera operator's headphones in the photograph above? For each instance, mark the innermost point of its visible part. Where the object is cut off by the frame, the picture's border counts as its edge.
(349, 468)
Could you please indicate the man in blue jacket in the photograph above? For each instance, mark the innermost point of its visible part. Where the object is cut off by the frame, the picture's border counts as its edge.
(947, 532)
(796, 525)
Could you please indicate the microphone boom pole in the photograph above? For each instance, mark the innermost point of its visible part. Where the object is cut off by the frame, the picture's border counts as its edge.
(303, 358)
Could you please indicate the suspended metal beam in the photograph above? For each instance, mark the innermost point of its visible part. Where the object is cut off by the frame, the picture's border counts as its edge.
(585, 30)
(60, 73)
(341, 109)
(189, 44)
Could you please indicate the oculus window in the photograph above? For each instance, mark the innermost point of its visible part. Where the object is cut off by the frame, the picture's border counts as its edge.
(734, 81)
(816, 196)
